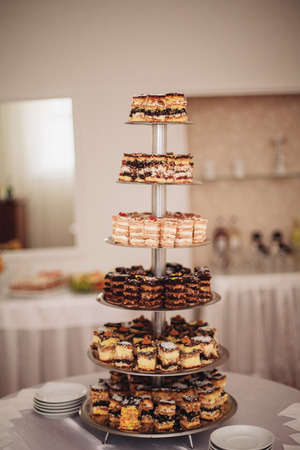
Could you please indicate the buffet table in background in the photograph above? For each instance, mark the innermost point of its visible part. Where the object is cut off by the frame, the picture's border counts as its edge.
(258, 320)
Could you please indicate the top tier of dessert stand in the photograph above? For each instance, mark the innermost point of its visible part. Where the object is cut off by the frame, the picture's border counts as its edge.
(158, 266)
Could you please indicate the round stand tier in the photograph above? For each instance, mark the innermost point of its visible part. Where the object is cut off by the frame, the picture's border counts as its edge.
(109, 240)
(155, 123)
(214, 299)
(85, 414)
(152, 183)
(223, 352)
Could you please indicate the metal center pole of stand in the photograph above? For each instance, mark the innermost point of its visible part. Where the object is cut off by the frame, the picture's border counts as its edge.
(159, 146)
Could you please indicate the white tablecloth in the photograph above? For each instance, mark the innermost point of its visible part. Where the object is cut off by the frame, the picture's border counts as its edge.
(259, 404)
(47, 337)
(258, 320)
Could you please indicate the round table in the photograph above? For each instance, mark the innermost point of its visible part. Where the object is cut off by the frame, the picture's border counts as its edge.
(259, 403)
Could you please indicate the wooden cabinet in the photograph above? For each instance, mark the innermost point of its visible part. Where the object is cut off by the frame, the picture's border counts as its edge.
(13, 221)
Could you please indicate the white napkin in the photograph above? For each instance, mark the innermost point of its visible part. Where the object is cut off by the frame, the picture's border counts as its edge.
(9, 411)
(292, 411)
(296, 437)
(4, 440)
(295, 424)
(291, 447)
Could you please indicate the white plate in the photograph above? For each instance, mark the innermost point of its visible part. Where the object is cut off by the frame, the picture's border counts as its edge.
(56, 415)
(56, 411)
(242, 437)
(213, 447)
(59, 407)
(60, 404)
(61, 392)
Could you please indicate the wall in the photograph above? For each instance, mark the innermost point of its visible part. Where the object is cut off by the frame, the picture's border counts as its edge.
(244, 127)
(101, 53)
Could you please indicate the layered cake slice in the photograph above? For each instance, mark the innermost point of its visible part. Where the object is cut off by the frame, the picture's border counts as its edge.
(217, 379)
(189, 412)
(164, 416)
(131, 294)
(96, 342)
(141, 165)
(155, 108)
(147, 410)
(143, 389)
(184, 234)
(128, 169)
(107, 344)
(173, 336)
(168, 232)
(183, 168)
(136, 232)
(151, 292)
(117, 281)
(192, 285)
(120, 227)
(137, 112)
(175, 106)
(167, 356)
(124, 355)
(210, 408)
(199, 229)
(204, 276)
(124, 333)
(209, 349)
(161, 393)
(179, 390)
(146, 355)
(175, 292)
(114, 410)
(152, 231)
(189, 353)
(108, 286)
(130, 414)
(99, 395)
(159, 108)
(156, 169)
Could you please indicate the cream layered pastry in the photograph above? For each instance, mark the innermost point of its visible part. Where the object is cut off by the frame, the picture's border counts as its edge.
(157, 168)
(167, 356)
(144, 230)
(146, 355)
(182, 346)
(170, 107)
(123, 355)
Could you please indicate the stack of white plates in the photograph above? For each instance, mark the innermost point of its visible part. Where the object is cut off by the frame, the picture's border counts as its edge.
(241, 437)
(58, 400)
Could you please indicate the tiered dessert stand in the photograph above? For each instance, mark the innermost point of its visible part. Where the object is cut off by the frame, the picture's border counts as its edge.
(159, 146)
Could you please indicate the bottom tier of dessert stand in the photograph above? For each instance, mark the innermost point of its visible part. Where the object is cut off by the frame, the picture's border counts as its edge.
(86, 415)
(158, 321)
